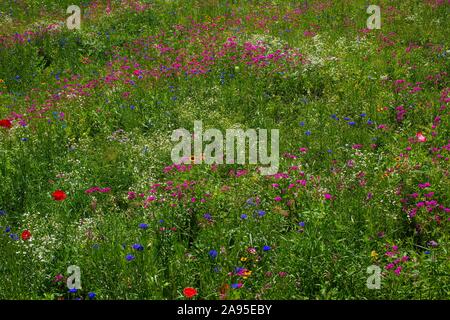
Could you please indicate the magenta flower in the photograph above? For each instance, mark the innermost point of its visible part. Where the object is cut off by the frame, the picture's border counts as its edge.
(389, 266)
(398, 270)
(424, 185)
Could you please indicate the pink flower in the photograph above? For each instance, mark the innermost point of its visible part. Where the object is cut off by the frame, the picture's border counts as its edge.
(420, 137)
(277, 199)
(328, 196)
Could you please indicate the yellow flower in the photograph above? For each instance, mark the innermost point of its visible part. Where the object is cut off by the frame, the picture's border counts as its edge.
(374, 254)
(243, 259)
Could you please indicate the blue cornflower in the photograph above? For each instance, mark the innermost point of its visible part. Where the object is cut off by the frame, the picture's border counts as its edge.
(14, 236)
(333, 116)
(92, 295)
(8, 229)
(302, 123)
(138, 247)
(427, 252)
(207, 216)
(362, 115)
(73, 290)
(243, 216)
(251, 202)
(143, 226)
(266, 248)
(369, 122)
(352, 123)
(261, 213)
(161, 221)
(346, 118)
(2, 212)
(308, 133)
(301, 224)
(329, 151)
(213, 253)
(129, 257)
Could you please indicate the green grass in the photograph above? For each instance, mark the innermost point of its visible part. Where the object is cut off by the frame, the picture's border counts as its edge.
(73, 93)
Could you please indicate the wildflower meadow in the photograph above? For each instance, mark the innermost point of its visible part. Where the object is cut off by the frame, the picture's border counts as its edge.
(224, 150)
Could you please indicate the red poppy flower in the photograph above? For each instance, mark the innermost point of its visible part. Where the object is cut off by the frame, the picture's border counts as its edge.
(5, 123)
(26, 235)
(59, 195)
(189, 292)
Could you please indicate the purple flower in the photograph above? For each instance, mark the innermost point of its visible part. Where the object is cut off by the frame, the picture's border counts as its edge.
(129, 257)
(243, 216)
(301, 224)
(432, 243)
(266, 248)
(261, 213)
